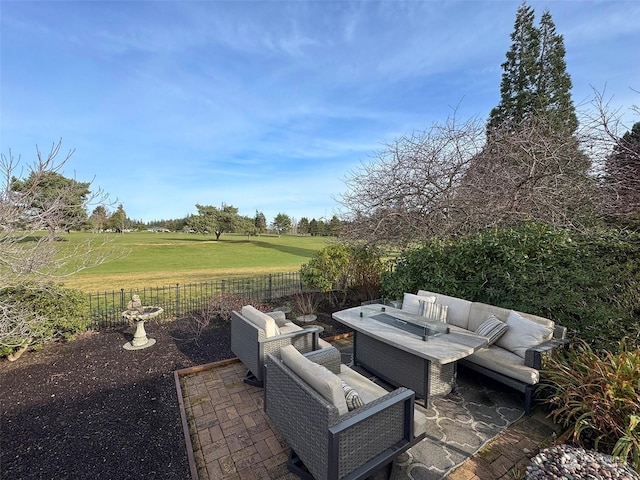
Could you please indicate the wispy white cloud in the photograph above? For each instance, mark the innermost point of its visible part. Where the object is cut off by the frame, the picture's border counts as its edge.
(265, 105)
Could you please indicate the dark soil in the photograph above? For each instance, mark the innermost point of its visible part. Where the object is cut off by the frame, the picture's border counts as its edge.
(89, 409)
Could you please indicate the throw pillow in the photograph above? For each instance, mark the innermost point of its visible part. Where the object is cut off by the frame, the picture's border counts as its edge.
(492, 328)
(523, 334)
(436, 311)
(415, 304)
(351, 396)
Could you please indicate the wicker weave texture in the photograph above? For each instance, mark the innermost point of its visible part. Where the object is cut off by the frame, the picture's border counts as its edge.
(250, 344)
(402, 368)
(306, 421)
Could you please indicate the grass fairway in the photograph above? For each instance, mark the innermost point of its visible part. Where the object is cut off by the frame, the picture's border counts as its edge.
(155, 259)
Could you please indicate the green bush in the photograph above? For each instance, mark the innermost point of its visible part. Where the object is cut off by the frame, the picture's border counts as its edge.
(345, 267)
(596, 395)
(47, 313)
(589, 283)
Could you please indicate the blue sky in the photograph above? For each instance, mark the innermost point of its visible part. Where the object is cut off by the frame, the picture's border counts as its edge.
(268, 105)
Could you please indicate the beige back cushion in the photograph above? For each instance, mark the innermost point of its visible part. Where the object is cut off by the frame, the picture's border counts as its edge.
(522, 334)
(318, 377)
(261, 320)
(480, 312)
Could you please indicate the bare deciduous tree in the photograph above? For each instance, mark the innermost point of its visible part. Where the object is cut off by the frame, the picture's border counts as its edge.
(29, 256)
(615, 148)
(405, 194)
(532, 173)
(450, 180)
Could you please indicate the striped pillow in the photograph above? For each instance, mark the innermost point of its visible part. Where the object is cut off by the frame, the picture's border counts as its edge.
(492, 328)
(435, 311)
(351, 397)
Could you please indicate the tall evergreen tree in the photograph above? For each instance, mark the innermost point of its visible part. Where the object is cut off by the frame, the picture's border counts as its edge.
(535, 82)
(553, 91)
(519, 73)
(260, 222)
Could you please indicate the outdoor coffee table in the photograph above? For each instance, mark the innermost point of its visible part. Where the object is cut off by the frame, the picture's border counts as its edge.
(408, 350)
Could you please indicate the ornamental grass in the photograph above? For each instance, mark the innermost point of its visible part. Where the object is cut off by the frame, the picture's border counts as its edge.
(596, 396)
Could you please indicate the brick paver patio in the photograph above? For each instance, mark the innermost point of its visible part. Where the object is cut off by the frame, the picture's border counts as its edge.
(231, 438)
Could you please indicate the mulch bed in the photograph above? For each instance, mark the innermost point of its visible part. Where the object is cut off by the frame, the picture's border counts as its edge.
(91, 409)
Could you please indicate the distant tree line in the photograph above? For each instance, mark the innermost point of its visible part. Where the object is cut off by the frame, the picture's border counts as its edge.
(214, 221)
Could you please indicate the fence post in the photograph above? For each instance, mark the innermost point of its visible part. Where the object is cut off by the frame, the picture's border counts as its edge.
(270, 286)
(177, 299)
(122, 299)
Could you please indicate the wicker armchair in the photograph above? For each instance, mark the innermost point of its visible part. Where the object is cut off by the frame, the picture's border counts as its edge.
(250, 343)
(327, 445)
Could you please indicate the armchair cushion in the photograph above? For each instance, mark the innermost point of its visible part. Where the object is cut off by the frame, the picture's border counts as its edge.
(523, 334)
(289, 327)
(261, 320)
(370, 391)
(320, 378)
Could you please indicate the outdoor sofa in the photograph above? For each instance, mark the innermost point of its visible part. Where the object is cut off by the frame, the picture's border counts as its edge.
(254, 334)
(337, 430)
(517, 340)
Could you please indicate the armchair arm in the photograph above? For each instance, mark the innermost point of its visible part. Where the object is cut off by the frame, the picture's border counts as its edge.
(381, 429)
(533, 356)
(279, 317)
(560, 332)
(329, 357)
(305, 340)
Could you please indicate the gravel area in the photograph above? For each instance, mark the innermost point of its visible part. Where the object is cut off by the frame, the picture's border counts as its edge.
(89, 409)
(571, 463)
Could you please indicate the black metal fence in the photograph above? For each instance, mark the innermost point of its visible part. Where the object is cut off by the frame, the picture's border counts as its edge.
(178, 300)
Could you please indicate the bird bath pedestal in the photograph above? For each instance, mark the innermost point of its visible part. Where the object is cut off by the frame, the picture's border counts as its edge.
(140, 315)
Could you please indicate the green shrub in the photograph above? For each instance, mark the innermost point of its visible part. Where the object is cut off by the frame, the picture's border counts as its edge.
(596, 395)
(589, 283)
(345, 267)
(43, 313)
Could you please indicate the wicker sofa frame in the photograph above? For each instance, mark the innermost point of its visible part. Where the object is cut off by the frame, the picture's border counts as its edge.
(326, 446)
(250, 344)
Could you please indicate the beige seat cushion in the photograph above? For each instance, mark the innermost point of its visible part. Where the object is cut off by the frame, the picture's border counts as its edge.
(369, 391)
(289, 327)
(505, 362)
(261, 320)
(292, 327)
(318, 377)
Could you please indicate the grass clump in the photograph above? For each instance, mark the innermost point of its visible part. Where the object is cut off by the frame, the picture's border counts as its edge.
(595, 395)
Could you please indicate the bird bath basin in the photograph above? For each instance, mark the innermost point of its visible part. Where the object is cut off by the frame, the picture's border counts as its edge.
(140, 314)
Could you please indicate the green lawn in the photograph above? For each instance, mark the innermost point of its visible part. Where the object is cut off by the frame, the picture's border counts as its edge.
(155, 259)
